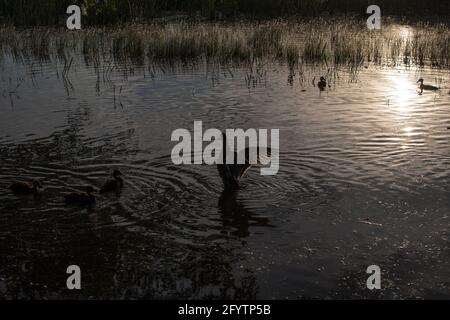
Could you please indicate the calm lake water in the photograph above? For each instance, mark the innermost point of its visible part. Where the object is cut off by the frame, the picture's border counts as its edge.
(364, 179)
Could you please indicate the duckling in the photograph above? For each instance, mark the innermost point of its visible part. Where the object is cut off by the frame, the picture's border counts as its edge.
(113, 185)
(24, 188)
(231, 173)
(322, 84)
(81, 198)
(426, 86)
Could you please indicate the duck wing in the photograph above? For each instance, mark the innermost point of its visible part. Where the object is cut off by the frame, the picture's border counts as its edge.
(430, 87)
(231, 173)
(239, 170)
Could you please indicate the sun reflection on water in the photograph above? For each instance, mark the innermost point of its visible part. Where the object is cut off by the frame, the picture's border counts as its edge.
(403, 106)
(404, 92)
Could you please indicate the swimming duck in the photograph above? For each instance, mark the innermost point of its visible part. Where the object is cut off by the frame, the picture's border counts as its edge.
(426, 86)
(113, 185)
(322, 84)
(23, 188)
(81, 198)
(231, 173)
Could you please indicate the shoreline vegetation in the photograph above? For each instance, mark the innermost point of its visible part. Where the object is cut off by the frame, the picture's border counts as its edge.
(333, 42)
(103, 12)
(146, 33)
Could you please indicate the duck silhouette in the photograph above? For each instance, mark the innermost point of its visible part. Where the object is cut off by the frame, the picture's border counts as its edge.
(113, 185)
(232, 173)
(427, 87)
(322, 84)
(81, 198)
(25, 188)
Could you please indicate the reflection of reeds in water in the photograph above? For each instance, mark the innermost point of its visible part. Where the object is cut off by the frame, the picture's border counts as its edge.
(332, 42)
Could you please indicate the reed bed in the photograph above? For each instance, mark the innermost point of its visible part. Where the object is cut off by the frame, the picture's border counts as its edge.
(335, 42)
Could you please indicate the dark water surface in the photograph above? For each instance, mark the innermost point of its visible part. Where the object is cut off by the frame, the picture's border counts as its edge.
(364, 179)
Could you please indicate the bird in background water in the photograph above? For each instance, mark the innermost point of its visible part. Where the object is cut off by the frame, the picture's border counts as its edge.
(322, 84)
(24, 188)
(113, 185)
(426, 87)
